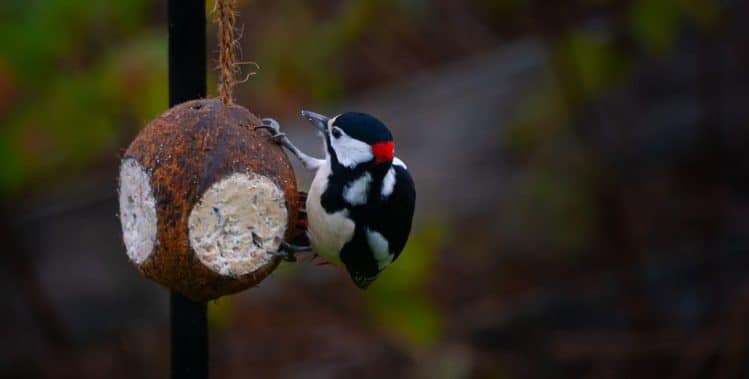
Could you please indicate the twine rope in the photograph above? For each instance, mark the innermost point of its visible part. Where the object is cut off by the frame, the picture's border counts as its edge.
(227, 44)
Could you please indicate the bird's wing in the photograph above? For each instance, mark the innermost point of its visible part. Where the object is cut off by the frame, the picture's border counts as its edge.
(395, 214)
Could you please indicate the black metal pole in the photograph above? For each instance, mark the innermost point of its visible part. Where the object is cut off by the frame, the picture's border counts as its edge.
(187, 75)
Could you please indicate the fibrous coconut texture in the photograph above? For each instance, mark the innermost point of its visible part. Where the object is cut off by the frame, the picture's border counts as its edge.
(204, 198)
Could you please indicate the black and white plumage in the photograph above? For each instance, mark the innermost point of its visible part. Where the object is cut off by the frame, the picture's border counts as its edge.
(361, 201)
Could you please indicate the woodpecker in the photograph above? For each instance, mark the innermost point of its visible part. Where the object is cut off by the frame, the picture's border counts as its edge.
(361, 202)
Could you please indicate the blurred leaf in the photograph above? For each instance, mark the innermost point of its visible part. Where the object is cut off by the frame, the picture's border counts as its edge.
(655, 24)
(77, 117)
(43, 34)
(10, 171)
(551, 197)
(551, 209)
(398, 300)
(220, 312)
(7, 87)
(705, 13)
(305, 55)
(596, 61)
(540, 117)
(70, 85)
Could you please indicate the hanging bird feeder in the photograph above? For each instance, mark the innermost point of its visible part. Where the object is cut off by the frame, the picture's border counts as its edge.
(205, 196)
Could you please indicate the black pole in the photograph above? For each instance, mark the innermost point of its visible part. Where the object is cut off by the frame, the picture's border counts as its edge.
(187, 71)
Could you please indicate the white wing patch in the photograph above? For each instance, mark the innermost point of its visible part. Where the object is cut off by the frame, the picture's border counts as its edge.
(388, 183)
(355, 193)
(398, 162)
(380, 249)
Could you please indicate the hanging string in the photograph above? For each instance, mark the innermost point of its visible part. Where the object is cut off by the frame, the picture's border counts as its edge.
(227, 43)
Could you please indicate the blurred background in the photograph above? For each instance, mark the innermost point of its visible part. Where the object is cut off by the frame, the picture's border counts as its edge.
(581, 169)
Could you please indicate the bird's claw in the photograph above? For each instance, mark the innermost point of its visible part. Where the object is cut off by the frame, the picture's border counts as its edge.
(274, 127)
(269, 123)
(279, 138)
(284, 255)
(287, 251)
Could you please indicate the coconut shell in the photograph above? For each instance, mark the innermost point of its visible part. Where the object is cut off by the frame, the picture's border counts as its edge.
(184, 152)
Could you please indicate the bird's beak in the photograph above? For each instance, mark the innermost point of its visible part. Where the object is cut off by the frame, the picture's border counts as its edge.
(318, 120)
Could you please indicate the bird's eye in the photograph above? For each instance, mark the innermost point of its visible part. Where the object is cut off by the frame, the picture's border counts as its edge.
(336, 133)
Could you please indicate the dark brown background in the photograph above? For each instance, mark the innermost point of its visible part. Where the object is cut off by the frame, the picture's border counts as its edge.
(580, 168)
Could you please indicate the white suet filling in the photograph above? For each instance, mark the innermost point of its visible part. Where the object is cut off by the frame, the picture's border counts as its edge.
(137, 211)
(237, 222)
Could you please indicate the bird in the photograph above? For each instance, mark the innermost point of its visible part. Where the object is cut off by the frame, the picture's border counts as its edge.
(361, 202)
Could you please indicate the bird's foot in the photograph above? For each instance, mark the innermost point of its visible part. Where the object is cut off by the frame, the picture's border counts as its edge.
(280, 138)
(287, 251)
(274, 127)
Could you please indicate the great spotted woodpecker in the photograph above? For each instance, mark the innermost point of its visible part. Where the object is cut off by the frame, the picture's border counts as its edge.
(361, 201)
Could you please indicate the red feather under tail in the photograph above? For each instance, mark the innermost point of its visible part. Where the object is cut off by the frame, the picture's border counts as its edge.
(299, 237)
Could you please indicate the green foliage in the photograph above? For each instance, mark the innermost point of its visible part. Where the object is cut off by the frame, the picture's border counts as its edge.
(553, 194)
(40, 36)
(305, 58)
(220, 312)
(84, 75)
(557, 201)
(399, 301)
(539, 118)
(77, 117)
(593, 60)
(656, 24)
(74, 84)
(705, 13)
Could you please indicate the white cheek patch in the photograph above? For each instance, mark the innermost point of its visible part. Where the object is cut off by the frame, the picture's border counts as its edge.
(355, 193)
(388, 183)
(380, 248)
(398, 162)
(350, 151)
(238, 220)
(137, 211)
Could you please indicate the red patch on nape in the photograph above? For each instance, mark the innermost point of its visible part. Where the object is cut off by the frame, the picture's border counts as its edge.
(383, 151)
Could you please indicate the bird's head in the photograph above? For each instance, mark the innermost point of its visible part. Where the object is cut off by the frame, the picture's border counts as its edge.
(353, 139)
